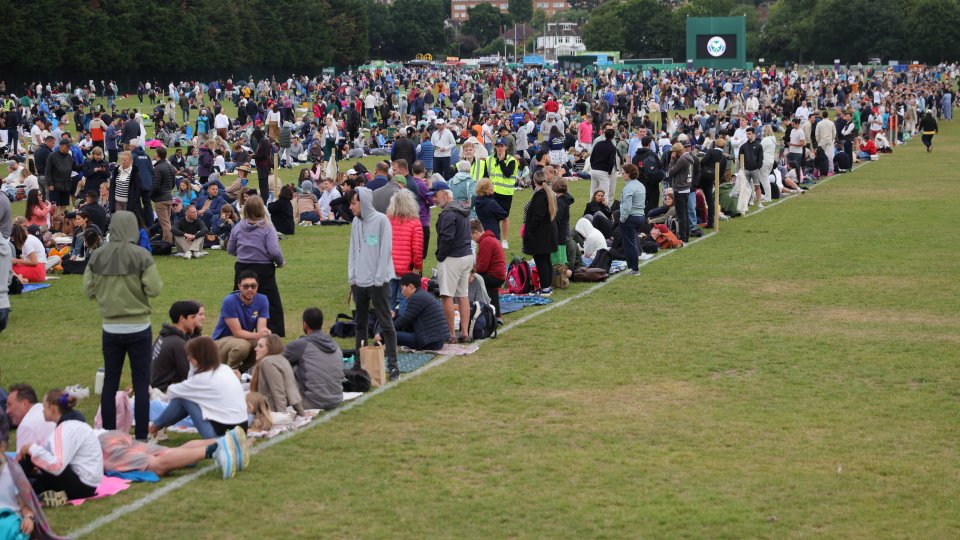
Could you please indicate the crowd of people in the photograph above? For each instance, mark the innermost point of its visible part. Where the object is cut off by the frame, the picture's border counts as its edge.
(654, 146)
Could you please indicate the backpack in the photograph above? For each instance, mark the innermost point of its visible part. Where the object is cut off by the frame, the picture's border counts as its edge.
(589, 274)
(483, 321)
(602, 260)
(159, 247)
(343, 328)
(355, 380)
(650, 168)
(519, 277)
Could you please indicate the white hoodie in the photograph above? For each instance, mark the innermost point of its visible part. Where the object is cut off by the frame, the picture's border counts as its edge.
(593, 239)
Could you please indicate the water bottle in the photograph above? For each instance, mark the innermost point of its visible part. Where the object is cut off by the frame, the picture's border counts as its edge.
(98, 382)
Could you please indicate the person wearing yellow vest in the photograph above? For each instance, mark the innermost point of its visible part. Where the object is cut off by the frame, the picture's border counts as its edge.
(478, 167)
(502, 169)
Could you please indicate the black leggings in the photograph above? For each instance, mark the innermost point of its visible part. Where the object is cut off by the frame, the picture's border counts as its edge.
(544, 269)
(492, 285)
(683, 221)
(426, 242)
(68, 481)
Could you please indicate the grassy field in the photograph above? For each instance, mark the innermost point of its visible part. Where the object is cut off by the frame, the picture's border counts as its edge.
(795, 375)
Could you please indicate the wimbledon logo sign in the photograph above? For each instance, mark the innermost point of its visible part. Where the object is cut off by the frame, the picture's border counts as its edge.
(716, 46)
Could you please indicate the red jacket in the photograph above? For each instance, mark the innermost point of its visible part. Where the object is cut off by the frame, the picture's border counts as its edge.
(407, 245)
(490, 258)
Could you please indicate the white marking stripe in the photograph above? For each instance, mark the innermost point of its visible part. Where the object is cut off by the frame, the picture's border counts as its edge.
(179, 482)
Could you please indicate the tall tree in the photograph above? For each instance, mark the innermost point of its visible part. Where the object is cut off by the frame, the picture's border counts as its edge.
(522, 10)
(932, 30)
(485, 23)
(418, 27)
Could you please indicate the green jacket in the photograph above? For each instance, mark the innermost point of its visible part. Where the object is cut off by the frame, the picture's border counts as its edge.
(121, 276)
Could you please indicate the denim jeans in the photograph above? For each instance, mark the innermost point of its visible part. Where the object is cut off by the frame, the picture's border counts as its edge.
(692, 209)
(115, 348)
(180, 408)
(409, 340)
(629, 229)
(397, 300)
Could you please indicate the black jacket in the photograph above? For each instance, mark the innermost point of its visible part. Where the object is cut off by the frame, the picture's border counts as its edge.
(130, 131)
(489, 213)
(564, 202)
(98, 216)
(164, 180)
(403, 148)
(539, 230)
(169, 363)
(752, 153)
(59, 170)
(604, 156)
(281, 213)
(453, 232)
(197, 227)
(424, 316)
(133, 196)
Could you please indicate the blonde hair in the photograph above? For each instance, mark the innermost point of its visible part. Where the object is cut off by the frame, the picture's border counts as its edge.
(126, 154)
(484, 186)
(253, 209)
(403, 205)
(257, 406)
(540, 179)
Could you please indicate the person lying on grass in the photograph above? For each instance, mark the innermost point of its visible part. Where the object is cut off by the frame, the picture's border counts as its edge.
(124, 454)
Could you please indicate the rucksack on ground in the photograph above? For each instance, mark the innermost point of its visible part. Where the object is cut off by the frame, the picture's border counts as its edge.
(483, 321)
(519, 277)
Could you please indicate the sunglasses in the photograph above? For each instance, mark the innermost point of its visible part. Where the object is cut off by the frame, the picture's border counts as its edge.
(248, 285)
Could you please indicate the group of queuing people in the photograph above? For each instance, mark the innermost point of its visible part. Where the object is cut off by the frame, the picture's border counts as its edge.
(461, 140)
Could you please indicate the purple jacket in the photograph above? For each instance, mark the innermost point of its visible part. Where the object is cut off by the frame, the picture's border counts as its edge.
(255, 243)
(423, 196)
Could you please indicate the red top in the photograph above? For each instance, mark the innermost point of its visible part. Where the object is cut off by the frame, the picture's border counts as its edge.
(490, 257)
(407, 245)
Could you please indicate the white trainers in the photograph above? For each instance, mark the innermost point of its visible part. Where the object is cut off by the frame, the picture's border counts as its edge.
(216, 246)
(188, 255)
(505, 244)
(646, 256)
(200, 254)
(79, 391)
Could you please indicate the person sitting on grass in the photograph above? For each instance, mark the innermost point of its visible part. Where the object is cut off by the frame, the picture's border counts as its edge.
(243, 320)
(123, 453)
(209, 203)
(31, 265)
(273, 377)
(69, 464)
(662, 213)
(223, 224)
(169, 364)
(317, 362)
(26, 414)
(491, 265)
(305, 206)
(211, 396)
(281, 211)
(421, 325)
(188, 233)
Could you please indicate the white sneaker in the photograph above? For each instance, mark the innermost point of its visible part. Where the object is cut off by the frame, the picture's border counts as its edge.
(765, 199)
(646, 256)
(188, 255)
(505, 244)
(759, 205)
(79, 391)
(216, 246)
(200, 254)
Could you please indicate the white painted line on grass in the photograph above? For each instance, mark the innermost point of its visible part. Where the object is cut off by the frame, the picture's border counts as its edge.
(181, 481)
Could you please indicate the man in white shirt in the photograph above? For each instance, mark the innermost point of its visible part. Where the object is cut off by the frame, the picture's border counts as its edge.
(370, 106)
(443, 144)
(26, 413)
(797, 144)
(221, 123)
(803, 112)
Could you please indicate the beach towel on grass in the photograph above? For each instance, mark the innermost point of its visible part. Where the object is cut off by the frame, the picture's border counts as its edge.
(525, 299)
(30, 287)
(510, 307)
(109, 486)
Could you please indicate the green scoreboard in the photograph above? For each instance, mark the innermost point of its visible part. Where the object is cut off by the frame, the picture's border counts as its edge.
(717, 42)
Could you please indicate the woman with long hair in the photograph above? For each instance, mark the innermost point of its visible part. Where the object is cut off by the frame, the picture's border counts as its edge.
(31, 262)
(273, 376)
(38, 209)
(254, 242)
(540, 237)
(404, 215)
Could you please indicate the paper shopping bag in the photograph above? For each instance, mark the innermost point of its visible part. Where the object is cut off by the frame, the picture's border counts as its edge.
(371, 360)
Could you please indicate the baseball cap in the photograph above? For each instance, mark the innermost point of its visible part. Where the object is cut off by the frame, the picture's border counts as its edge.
(440, 122)
(352, 171)
(439, 185)
(501, 142)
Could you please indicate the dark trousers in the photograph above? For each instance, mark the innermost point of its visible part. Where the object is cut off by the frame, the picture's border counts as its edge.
(442, 165)
(115, 348)
(927, 140)
(544, 269)
(628, 230)
(426, 242)
(379, 296)
(146, 207)
(267, 281)
(680, 204)
(263, 175)
(67, 481)
(796, 159)
(706, 185)
(113, 155)
(14, 139)
(492, 285)
(652, 188)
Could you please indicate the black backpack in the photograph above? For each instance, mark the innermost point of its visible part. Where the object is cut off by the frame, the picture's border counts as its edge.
(159, 247)
(356, 380)
(344, 327)
(484, 325)
(602, 260)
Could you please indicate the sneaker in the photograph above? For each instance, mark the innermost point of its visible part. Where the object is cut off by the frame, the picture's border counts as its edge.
(505, 244)
(78, 391)
(200, 254)
(759, 205)
(216, 246)
(226, 457)
(646, 256)
(53, 499)
(52, 262)
(632, 272)
(188, 255)
(239, 437)
(393, 374)
(546, 291)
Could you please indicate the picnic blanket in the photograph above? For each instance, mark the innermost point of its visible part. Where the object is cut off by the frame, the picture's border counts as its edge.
(30, 287)
(108, 486)
(459, 349)
(412, 361)
(524, 299)
(510, 307)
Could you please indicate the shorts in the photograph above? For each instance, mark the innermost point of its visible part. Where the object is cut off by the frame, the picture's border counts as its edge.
(122, 453)
(505, 202)
(453, 274)
(753, 176)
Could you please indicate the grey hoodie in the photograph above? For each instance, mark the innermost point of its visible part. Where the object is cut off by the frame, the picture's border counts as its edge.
(318, 364)
(371, 245)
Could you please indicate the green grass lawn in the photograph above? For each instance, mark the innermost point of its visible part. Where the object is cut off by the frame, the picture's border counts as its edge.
(795, 375)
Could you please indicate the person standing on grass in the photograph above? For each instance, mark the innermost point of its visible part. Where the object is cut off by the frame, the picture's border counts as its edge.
(454, 261)
(751, 159)
(162, 192)
(6, 260)
(681, 178)
(254, 242)
(928, 128)
(502, 169)
(443, 144)
(540, 237)
(122, 278)
(369, 271)
(263, 159)
(603, 160)
(632, 219)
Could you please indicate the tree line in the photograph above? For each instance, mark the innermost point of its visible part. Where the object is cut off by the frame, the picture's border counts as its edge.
(211, 36)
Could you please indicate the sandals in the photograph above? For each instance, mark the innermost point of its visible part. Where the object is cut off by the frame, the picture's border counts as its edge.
(465, 339)
(53, 499)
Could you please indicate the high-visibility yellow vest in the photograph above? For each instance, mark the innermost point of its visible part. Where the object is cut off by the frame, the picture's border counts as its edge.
(501, 184)
(478, 169)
